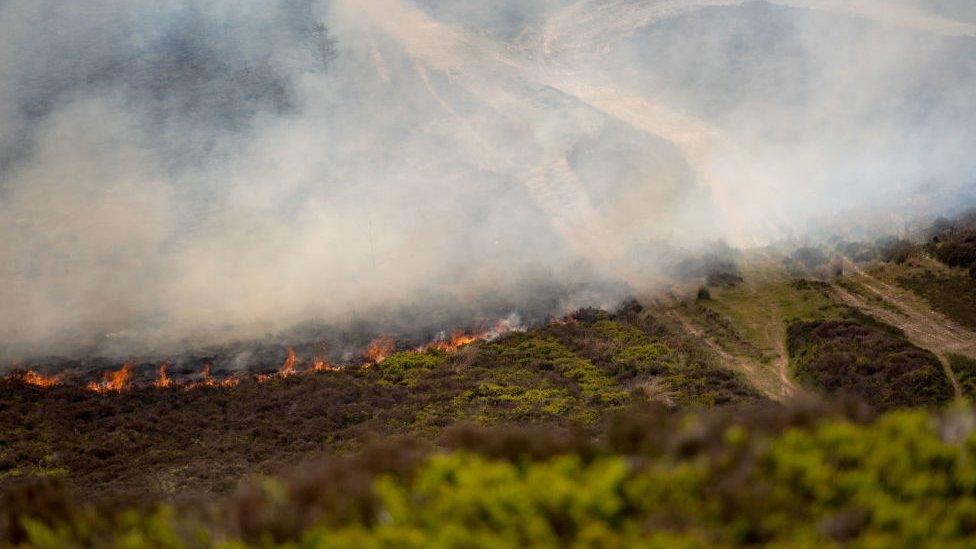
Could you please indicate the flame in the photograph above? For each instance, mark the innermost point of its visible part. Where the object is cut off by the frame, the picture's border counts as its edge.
(162, 378)
(206, 380)
(379, 349)
(230, 382)
(113, 381)
(30, 377)
(322, 365)
(288, 368)
(460, 338)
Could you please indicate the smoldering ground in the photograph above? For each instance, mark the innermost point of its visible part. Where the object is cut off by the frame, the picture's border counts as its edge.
(182, 173)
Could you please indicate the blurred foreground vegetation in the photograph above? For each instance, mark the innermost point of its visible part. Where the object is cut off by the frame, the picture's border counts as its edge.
(805, 473)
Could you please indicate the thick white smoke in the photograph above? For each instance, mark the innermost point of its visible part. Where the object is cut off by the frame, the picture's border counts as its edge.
(180, 172)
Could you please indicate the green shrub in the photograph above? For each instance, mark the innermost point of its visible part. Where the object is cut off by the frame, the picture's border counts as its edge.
(406, 367)
(514, 401)
(620, 332)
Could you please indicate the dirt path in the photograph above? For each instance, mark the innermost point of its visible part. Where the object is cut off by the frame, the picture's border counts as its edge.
(898, 307)
(778, 387)
(782, 360)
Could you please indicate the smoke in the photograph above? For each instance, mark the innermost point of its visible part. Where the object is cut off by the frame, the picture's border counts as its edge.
(181, 173)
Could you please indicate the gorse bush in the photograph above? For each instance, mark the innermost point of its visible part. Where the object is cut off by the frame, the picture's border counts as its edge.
(409, 367)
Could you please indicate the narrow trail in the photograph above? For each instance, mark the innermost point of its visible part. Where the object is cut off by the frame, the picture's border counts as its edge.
(773, 328)
(768, 367)
(779, 387)
(923, 326)
(782, 360)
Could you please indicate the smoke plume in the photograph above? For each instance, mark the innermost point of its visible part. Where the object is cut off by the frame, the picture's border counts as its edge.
(184, 172)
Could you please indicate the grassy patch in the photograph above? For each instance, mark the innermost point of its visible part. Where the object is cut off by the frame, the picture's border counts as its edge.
(758, 311)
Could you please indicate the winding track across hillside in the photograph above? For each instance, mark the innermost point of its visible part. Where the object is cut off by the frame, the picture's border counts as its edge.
(776, 387)
(898, 307)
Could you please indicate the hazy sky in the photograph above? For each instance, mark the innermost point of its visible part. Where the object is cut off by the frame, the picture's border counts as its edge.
(179, 172)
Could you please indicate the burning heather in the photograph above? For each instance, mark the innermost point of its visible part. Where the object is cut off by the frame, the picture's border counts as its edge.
(288, 368)
(460, 338)
(163, 380)
(377, 350)
(30, 377)
(113, 381)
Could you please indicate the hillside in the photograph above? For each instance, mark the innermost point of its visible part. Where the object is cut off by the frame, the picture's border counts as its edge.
(755, 398)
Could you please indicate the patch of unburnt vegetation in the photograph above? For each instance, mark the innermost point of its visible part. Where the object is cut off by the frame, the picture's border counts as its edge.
(952, 294)
(958, 250)
(805, 474)
(724, 276)
(859, 252)
(954, 242)
(806, 259)
(637, 351)
(895, 250)
(868, 359)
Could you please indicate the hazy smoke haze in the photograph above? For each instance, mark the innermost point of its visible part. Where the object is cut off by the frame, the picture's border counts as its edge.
(182, 172)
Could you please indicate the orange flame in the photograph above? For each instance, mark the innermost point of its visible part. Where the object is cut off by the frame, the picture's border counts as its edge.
(113, 381)
(379, 349)
(206, 380)
(458, 339)
(322, 365)
(30, 377)
(162, 378)
(230, 382)
(288, 368)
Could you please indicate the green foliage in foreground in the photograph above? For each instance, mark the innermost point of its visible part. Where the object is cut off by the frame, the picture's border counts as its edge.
(905, 479)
